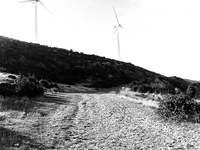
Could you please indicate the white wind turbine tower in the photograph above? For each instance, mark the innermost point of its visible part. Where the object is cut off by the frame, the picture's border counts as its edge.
(36, 15)
(117, 30)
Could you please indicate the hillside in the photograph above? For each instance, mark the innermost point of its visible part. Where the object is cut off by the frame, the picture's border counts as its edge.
(69, 67)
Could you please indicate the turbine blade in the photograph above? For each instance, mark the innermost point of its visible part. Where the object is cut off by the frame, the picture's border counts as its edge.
(27, 1)
(45, 7)
(116, 15)
(116, 29)
(122, 27)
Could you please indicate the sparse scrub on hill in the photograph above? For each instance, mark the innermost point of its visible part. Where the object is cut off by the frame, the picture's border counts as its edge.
(160, 85)
(180, 107)
(68, 67)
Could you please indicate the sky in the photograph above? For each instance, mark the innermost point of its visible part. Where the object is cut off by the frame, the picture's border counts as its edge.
(161, 35)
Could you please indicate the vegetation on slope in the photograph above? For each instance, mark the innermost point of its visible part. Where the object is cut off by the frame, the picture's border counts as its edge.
(172, 85)
(66, 66)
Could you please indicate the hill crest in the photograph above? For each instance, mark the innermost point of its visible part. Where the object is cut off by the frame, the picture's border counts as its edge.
(68, 67)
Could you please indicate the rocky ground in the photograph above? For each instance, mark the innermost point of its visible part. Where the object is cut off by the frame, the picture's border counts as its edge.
(106, 121)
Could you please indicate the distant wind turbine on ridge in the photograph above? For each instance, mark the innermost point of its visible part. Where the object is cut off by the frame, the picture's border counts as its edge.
(117, 30)
(36, 16)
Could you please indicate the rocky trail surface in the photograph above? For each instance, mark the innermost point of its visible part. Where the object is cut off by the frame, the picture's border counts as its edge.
(107, 121)
(78, 121)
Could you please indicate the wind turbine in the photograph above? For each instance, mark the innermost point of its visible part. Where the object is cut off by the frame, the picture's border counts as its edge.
(36, 15)
(117, 30)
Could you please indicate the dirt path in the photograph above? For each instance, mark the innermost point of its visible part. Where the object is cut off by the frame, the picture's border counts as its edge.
(110, 122)
(105, 121)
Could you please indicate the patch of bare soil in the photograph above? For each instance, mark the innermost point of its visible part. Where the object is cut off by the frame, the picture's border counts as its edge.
(77, 121)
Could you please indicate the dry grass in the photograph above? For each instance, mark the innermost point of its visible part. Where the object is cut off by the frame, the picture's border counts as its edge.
(78, 88)
(15, 103)
(136, 95)
(13, 114)
(35, 123)
(147, 99)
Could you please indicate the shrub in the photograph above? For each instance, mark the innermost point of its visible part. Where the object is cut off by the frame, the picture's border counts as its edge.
(134, 88)
(191, 91)
(44, 83)
(5, 91)
(2, 69)
(142, 89)
(179, 108)
(29, 86)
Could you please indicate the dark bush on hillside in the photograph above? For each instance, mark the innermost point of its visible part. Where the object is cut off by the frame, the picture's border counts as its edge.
(191, 91)
(179, 108)
(134, 88)
(158, 86)
(55, 87)
(78, 71)
(142, 89)
(2, 69)
(5, 91)
(29, 86)
(44, 83)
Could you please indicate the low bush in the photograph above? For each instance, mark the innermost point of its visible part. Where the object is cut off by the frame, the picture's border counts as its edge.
(28, 86)
(191, 91)
(142, 88)
(49, 86)
(4, 91)
(180, 107)
(44, 83)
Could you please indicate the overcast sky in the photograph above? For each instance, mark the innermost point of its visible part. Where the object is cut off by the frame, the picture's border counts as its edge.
(162, 35)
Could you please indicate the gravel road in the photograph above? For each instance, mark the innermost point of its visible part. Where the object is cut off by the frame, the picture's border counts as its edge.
(110, 122)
